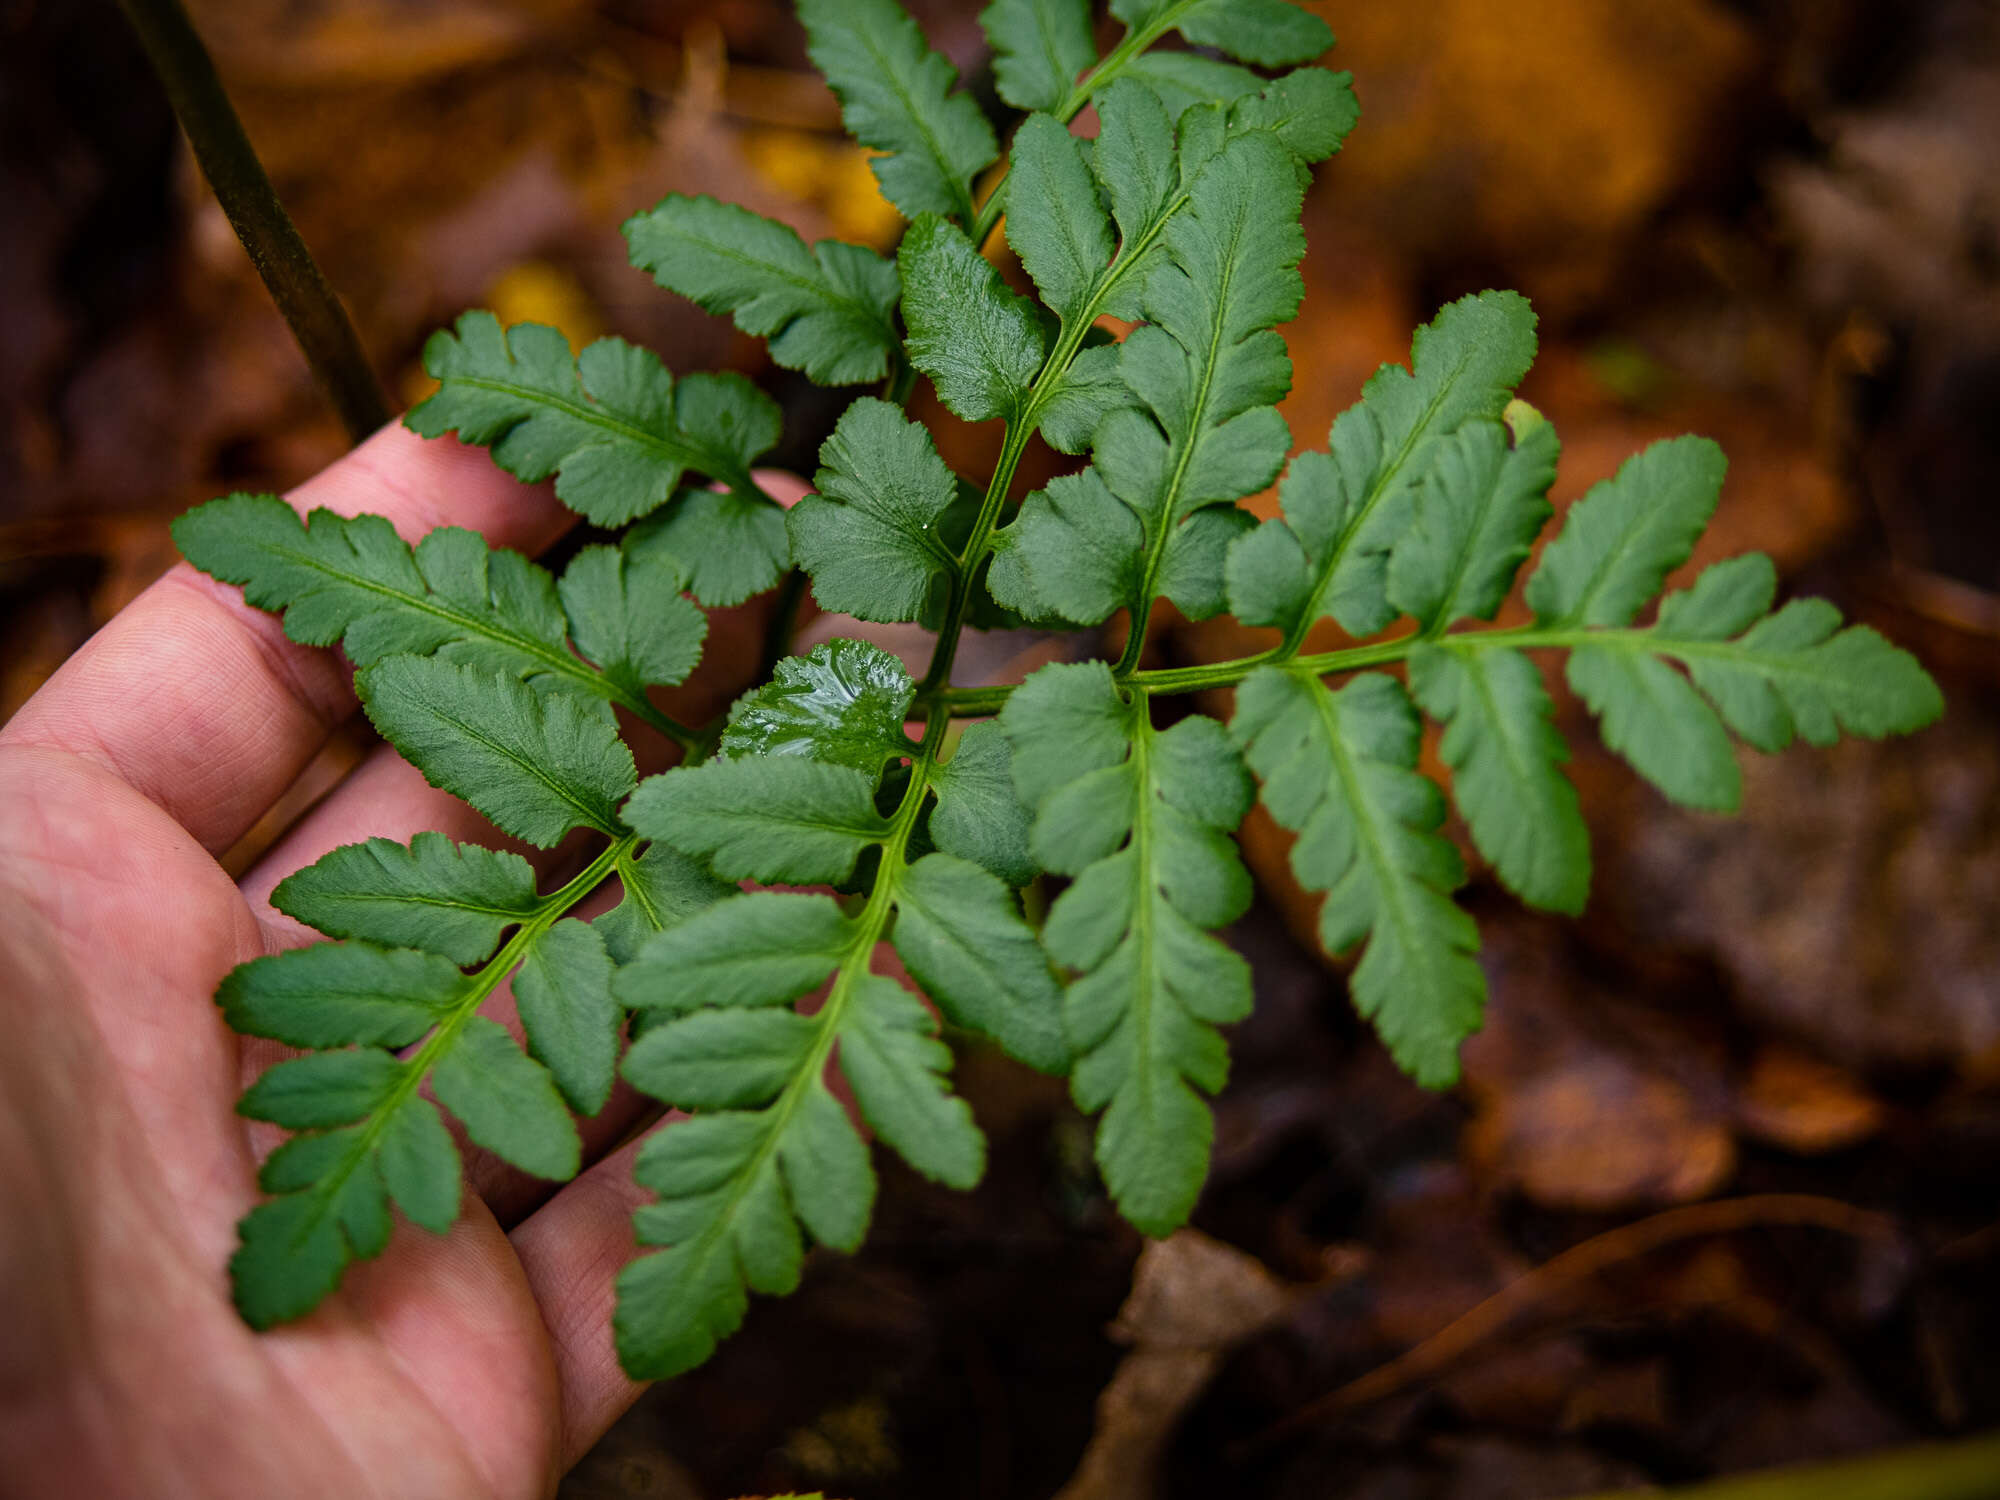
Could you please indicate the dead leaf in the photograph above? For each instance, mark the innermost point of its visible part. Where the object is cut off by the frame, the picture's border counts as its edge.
(1804, 1105)
(1578, 1112)
(1193, 1300)
(1850, 904)
(1543, 132)
(1597, 1134)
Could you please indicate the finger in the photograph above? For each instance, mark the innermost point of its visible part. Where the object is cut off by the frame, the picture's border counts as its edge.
(572, 1249)
(197, 700)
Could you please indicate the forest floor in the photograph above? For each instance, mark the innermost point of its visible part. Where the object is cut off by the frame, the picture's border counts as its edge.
(1721, 1188)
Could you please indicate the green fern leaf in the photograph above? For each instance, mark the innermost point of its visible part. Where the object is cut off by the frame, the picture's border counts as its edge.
(1339, 769)
(507, 1103)
(1054, 221)
(1619, 542)
(1310, 111)
(892, 1058)
(828, 311)
(322, 1089)
(433, 894)
(627, 614)
(873, 537)
(1207, 368)
(1039, 48)
(1270, 33)
(368, 1137)
(1141, 819)
(661, 888)
(537, 765)
(1771, 677)
(896, 98)
(357, 583)
(339, 994)
(609, 423)
(980, 343)
(1346, 509)
(769, 818)
(735, 952)
(1476, 516)
(836, 704)
(778, 1152)
(563, 992)
(962, 938)
(1506, 758)
(1186, 79)
(1138, 178)
(978, 816)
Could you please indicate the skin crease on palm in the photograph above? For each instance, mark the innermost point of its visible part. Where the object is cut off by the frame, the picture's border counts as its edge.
(476, 1364)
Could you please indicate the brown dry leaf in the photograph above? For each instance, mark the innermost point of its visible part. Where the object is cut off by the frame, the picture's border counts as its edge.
(1572, 1113)
(1805, 1105)
(1596, 1134)
(1632, 1396)
(345, 42)
(1851, 903)
(1544, 131)
(1193, 1299)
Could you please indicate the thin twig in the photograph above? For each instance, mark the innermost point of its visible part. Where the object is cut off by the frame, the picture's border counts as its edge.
(290, 274)
(784, 620)
(1450, 1343)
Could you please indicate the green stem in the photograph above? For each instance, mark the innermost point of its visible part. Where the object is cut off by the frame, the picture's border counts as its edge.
(902, 380)
(481, 984)
(690, 740)
(965, 703)
(294, 280)
(972, 703)
(868, 930)
(965, 568)
(1021, 427)
(1110, 66)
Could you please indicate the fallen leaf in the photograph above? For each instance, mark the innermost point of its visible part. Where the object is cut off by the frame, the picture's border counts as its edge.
(1576, 1115)
(1804, 1105)
(1193, 1300)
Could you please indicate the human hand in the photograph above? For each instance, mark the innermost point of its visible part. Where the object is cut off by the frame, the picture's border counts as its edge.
(479, 1363)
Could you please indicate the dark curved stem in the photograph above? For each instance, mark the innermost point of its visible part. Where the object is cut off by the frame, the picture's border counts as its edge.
(784, 620)
(290, 274)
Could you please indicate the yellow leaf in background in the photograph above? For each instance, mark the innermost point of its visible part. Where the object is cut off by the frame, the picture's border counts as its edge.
(830, 174)
(855, 202)
(533, 291)
(792, 161)
(537, 292)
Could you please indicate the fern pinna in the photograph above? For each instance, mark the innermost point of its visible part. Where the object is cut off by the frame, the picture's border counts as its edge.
(843, 772)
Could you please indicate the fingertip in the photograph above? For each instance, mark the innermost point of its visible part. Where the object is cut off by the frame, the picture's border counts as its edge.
(782, 486)
(423, 483)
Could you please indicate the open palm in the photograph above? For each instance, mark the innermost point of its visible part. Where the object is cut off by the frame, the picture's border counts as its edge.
(475, 1364)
